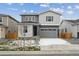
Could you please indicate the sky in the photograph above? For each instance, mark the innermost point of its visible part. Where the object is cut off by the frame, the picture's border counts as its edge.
(68, 10)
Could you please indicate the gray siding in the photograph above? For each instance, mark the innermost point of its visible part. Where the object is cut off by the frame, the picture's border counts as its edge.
(67, 25)
(4, 20)
(56, 19)
(2, 32)
(12, 25)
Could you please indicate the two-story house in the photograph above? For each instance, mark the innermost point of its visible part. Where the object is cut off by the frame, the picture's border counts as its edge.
(44, 25)
(7, 24)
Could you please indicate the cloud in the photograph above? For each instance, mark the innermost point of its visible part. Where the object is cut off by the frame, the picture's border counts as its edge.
(59, 10)
(14, 9)
(70, 12)
(9, 3)
(24, 11)
(44, 5)
(69, 7)
(62, 17)
(31, 11)
(27, 11)
(77, 6)
(35, 3)
(62, 6)
(21, 4)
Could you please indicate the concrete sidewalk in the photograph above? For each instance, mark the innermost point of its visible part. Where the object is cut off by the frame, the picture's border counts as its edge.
(39, 53)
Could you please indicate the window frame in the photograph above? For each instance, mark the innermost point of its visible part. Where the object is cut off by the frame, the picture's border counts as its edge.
(30, 18)
(48, 29)
(49, 17)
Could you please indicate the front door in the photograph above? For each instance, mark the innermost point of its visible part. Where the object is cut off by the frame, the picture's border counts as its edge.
(34, 30)
(77, 34)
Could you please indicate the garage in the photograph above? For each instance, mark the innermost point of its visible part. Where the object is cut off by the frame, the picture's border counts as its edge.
(48, 32)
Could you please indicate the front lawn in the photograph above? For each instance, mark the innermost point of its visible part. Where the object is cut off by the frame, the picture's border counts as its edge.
(33, 48)
(13, 46)
(3, 43)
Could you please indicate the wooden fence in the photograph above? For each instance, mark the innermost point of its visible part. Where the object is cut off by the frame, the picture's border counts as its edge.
(65, 35)
(11, 36)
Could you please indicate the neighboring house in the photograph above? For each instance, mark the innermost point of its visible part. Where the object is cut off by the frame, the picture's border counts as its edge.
(70, 26)
(45, 24)
(7, 24)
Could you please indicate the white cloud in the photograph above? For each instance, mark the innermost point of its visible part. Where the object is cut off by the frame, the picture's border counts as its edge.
(57, 10)
(14, 9)
(77, 6)
(44, 5)
(69, 7)
(24, 11)
(62, 17)
(21, 4)
(31, 11)
(9, 3)
(35, 3)
(70, 12)
(62, 6)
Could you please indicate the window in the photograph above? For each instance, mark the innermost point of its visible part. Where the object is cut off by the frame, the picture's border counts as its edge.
(0, 19)
(29, 18)
(48, 29)
(49, 18)
(26, 18)
(25, 29)
(42, 29)
(54, 29)
(33, 18)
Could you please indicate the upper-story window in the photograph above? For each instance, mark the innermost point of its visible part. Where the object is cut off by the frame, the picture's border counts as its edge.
(26, 18)
(29, 18)
(0, 19)
(49, 18)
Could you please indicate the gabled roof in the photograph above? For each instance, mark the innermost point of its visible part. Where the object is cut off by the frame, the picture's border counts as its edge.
(50, 11)
(29, 14)
(10, 17)
(73, 21)
(40, 13)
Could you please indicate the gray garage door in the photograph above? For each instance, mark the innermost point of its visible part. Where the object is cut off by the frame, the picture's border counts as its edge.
(49, 33)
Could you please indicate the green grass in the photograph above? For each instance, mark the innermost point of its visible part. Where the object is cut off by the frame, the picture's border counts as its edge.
(26, 48)
(20, 49)
(7, 43)
(3, 43)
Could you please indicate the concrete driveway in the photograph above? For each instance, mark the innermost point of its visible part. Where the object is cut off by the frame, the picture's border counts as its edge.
(53, 41)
